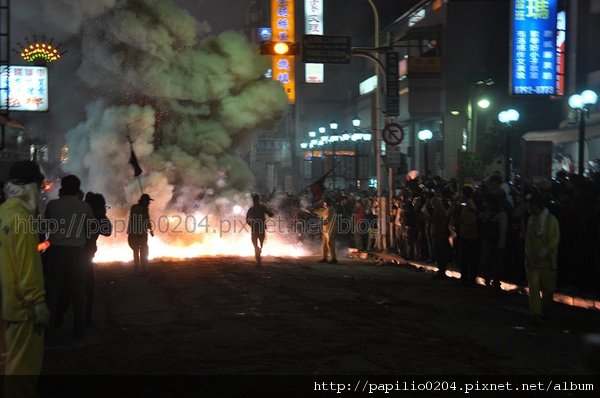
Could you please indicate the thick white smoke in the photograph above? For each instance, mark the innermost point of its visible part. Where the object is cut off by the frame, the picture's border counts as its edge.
(187, 103)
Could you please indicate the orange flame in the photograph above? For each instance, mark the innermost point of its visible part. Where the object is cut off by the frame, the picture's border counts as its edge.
(189, 240)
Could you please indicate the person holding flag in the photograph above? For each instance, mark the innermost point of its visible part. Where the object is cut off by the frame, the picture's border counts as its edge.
(138, 227)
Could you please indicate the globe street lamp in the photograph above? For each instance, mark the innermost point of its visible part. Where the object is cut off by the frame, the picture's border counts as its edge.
(425, 135)
(507, 117)
(483, 103)
(581, 103)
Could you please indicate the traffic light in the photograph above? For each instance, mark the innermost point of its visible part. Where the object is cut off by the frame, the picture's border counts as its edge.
(278, 48)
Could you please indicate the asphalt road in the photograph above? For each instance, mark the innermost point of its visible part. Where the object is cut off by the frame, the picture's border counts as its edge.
(295, 316)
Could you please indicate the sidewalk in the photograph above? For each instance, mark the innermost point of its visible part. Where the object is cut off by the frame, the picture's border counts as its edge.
(452, 272)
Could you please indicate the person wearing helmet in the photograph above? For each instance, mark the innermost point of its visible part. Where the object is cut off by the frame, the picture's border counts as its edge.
(24, 307)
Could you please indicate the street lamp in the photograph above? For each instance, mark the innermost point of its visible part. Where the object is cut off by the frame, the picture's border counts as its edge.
(322, 130)
(507, 117)
(580, 103)
(483, 103)
(425, 135)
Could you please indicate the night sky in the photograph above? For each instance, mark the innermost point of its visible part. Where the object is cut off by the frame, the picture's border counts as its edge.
(340, 15)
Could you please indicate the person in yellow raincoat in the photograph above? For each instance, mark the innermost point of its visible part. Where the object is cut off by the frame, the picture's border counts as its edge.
(541, 249)
(329, 231)
(24, 309)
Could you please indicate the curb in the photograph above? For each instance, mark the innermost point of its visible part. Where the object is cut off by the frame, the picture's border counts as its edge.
(563, 298)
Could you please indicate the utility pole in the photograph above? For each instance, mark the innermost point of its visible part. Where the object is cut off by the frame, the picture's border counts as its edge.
(4, 60)
(377, 134)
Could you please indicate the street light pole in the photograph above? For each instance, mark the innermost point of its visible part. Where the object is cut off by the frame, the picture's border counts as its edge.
(334, 137)
(358, 135)
(581, 163)
(579, 102)
(376, 131)
(425, 135)
(507, 117)
(426, 156)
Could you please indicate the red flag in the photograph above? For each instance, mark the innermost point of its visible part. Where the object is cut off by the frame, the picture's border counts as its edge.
(317, 188)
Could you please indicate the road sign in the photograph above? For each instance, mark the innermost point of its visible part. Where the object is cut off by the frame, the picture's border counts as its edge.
(393, 157)
(392, 84)
(393, 134)
(319, 49)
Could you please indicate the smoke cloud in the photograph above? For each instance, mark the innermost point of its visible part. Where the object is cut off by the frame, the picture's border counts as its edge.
(146, 71)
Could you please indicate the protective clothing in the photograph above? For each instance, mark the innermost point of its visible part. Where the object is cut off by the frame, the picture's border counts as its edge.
(541, 249)
(22, 286)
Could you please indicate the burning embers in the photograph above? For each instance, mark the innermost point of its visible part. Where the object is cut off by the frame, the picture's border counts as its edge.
(179, 236)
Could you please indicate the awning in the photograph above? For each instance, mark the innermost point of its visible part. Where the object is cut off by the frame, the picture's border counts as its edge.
(566, 135)
(7, 121)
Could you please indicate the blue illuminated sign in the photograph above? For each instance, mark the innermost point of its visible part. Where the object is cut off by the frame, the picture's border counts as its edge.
(533, 47)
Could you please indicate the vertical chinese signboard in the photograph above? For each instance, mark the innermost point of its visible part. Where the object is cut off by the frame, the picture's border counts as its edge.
(534, 47)
(561, 37)
(392, 87)
(283, 27)
(313, 14)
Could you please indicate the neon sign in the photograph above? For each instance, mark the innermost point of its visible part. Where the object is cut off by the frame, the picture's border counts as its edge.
(533, 63)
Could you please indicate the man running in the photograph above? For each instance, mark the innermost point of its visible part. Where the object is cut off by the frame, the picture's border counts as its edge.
(256, 217)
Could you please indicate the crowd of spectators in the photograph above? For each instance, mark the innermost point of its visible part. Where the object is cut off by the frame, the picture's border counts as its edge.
(478, 228)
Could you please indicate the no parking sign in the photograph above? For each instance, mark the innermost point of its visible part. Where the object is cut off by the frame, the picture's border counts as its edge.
(393, 134)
